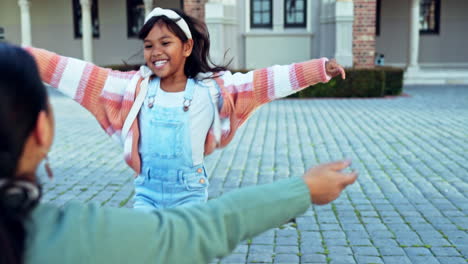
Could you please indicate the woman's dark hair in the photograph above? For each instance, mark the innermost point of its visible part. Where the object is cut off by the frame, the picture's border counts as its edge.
(22, 97)
(199, 61)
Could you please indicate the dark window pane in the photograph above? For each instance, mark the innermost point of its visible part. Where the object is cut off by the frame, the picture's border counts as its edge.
(429, 16)
(261, 12)
(257, 18)
(77, 18)
(135, 17)
(266, 18)
(295, 13)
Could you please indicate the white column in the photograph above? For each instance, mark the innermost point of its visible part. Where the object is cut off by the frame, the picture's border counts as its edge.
(344, 17)
(148, 6)
(327, 29)
(221, 20)
(413, 50)
(25, 22)
(87, 30)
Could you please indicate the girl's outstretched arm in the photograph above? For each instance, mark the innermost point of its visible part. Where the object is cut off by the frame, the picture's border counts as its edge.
(102, 91)
(243, 93)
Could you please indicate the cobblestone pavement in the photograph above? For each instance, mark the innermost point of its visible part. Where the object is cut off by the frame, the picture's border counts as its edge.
(410, 204)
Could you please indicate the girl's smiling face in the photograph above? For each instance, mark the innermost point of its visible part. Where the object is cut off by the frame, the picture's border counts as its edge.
(165, 54)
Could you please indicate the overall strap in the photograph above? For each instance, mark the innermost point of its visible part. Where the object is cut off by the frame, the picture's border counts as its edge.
(188, 95)
(152, 91)
(135, 108)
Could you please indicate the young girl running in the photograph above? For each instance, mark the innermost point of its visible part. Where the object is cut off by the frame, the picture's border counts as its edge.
(177, 108)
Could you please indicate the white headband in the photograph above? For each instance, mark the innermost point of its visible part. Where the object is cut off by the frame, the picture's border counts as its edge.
(171, 15)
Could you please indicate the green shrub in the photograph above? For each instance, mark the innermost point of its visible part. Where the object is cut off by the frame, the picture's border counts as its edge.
(393, 80)
(358, 83)
(372, 82)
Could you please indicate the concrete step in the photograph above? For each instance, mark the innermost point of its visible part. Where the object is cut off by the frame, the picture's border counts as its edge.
(459, 76)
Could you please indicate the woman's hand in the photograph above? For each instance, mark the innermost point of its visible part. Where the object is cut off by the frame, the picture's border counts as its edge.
(326, 181)
(334, 69)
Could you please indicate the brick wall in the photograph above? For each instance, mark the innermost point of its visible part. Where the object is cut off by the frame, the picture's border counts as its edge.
(195, 8)
(364, 33)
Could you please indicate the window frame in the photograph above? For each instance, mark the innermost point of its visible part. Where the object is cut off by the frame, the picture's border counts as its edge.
(294, 25)
(265, 26)
(130, 19)
(436, 30)
(77, 15)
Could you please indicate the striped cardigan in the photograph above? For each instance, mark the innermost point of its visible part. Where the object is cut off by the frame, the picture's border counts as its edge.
(112, 96)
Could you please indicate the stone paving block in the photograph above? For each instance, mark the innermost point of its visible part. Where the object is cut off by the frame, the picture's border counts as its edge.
(417, 251)
(333, 234)
(423, 259)
(234, 259)
(351, 234)
(353, 227)
(260, 258)
(306, 224)
(360, 242)
(286, 259)
(339, 250)
(287, 241)
(330, 227)
(310, 236)
(371, 227)
(337, 259)
(313, 258)
(336, 242)
(436, 241)
(365, 251)
(267, 249)
(286, 249)
(396, 260)
(312, 249)
(286, 233)
(451, 260)
(445, 252)
(391, 251)
(381, 234)
(408, 239)
(369, 259)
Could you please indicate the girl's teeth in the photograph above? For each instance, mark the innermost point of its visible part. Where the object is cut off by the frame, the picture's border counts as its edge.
(159, 63)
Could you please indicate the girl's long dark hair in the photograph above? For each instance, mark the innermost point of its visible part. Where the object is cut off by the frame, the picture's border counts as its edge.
(22, 97)
(199, 61)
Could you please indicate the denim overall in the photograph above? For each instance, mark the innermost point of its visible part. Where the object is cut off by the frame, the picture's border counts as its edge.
(168, 177)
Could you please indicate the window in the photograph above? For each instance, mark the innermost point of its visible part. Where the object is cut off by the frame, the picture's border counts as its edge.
(135, 17)
(295, 13)
(429, 17)
(77, 18)
(261, 13)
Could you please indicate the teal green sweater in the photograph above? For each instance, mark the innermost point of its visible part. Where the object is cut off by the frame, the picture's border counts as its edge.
(88, 233)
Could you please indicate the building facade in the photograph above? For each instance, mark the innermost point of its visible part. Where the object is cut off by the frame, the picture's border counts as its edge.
(426, 37)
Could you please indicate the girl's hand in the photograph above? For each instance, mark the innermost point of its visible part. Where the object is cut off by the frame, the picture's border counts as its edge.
(326, 181)
(334, 69)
